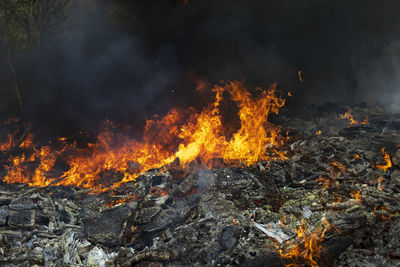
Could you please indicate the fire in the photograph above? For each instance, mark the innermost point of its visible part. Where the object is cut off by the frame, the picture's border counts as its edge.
(347, 116)
(318, 132)
(388, 164)
(380, 186)
(386, 213)
(20, 169)
(339, 166)
(125, 199)
(357, 196)
(327, 183)
(8, 144)
(199, 137)
(310, 247)
(300, 74)
(283, 220)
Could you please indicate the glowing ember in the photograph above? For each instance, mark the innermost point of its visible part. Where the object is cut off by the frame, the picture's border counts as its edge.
(202, 138)
(388, 164)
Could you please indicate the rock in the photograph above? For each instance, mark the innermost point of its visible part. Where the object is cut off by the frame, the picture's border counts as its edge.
(22, 218)
(146, 214)
(4, 214)
(52, 256)
(396, 177)
(36, 255)
(22, 204)
(4, 201)
(396, 158)
(157, 180)
(106, 227)
(229, 237)
(162, 220)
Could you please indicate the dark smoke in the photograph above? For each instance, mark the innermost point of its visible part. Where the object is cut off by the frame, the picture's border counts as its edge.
(137, 64)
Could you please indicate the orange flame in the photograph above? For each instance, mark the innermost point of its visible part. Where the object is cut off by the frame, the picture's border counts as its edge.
(300, 74)
(202, 138)
(347, 116)
(310, 249)
(8, 144)
(327, 183)
(357, 196)
(388, 164)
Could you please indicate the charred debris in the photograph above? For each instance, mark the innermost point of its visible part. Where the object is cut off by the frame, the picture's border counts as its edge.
(334, 200)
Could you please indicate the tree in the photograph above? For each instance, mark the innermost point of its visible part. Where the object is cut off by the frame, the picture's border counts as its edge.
(25, 25)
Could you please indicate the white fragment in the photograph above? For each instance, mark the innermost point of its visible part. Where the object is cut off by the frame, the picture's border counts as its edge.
(97, 257)
(274, 231)
(306, 213)
(269, 145)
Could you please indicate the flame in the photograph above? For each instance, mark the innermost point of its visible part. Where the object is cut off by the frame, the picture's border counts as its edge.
(390, 214)
(133, 230)
(19, 172)
(356, 156)
(327, 183)
(182, 136)
(318, 132)
(380, 186)
(283, 220)
(300, 74)
(310, 248)
(339, 166)
(388, 164)
(347, 116)
(357, 196)
(8, 144)
(125, 199)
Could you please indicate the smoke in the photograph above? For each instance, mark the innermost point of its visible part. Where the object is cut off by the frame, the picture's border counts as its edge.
(380, 77)
(137, 65)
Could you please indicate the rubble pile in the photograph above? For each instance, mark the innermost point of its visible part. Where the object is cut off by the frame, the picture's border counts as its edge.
(334, 201)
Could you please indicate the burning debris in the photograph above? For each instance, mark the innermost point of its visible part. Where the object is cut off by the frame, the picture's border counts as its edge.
(202, 138)
(326, 192)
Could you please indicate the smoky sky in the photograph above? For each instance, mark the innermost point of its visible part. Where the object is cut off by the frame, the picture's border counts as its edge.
(136, 64)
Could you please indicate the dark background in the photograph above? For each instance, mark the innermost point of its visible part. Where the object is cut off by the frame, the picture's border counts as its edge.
(126, 60)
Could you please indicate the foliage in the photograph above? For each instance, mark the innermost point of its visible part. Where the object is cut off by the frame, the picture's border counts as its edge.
(25, 24)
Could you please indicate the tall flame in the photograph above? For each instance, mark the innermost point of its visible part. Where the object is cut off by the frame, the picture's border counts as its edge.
(202, 138)
(388, 162)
